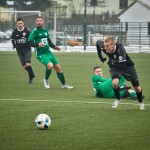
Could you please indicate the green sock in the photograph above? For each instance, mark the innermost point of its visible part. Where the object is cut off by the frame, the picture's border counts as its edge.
(133, 95)
(61, 77)
(47, 73)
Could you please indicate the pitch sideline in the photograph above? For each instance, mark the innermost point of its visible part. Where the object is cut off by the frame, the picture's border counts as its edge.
(55, 101)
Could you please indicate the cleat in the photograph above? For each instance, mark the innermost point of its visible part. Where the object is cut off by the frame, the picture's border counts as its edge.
(116, 103)
(46, 83)
(30, 80)
(33, 76)
(142, 106)
(65, 86)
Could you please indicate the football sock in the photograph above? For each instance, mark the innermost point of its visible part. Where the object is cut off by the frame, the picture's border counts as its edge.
(47, 73)
(117, 93)
(133, 94)
(139, 96)
(30, 72)
(61, 77)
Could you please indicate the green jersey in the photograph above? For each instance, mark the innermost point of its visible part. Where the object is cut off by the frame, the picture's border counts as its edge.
(104, 88)
(40, 35)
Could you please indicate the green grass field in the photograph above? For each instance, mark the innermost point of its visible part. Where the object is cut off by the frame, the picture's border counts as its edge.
(80, 121)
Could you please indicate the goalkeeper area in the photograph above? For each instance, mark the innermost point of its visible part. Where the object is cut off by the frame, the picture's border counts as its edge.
(80, 121)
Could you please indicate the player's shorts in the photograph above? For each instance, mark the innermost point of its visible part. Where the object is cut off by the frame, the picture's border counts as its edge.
(47, 58)
(129, 73)
(24, 56)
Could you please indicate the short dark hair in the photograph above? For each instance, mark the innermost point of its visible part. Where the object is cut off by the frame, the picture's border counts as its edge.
(19, 19)
(96, 67)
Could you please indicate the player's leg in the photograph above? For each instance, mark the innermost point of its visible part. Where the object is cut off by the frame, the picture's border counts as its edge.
(61, 77)
(45, 60)
(48, 71)
(106, 89)
(115, 75)
(28, 66)
(128, 94)
(115, 83)
(21, 56)
(132, 94)
(60, 73)
(138, 90)
(131, 75)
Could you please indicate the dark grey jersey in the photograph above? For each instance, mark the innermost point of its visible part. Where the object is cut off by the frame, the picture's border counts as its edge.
(20, 39)
(118, 58)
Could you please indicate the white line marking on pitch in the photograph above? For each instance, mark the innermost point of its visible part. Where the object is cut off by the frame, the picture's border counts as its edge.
(23, 100)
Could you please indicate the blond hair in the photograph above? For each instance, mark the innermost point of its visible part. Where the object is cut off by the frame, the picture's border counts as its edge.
(109, 39)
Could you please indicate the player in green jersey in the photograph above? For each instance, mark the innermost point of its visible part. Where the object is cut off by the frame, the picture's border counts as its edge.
(40, 39)
(104, 88)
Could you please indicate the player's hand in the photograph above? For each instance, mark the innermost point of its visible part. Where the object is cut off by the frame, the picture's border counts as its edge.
(110, 63)
(41, 44)
(57, 48)
(103, 59)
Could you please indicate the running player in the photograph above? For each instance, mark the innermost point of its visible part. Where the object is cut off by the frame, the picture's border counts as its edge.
(19, 39)
(40, 39)
(120, 64)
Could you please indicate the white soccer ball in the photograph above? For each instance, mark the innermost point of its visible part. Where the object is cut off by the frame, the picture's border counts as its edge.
(43, 121)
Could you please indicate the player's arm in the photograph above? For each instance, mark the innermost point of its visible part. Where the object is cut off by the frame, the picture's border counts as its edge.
(52, 45)
(33, 44)
(31, 40)
(97, 78)
(13, 40)
(99, 46)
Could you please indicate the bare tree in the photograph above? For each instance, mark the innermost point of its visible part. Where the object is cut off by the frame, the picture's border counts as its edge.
(76, 6)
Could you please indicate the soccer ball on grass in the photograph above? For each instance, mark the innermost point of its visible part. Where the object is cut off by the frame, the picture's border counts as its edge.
(43, 121)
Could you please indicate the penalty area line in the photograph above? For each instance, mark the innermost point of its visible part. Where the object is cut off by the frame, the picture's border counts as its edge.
(64, 101)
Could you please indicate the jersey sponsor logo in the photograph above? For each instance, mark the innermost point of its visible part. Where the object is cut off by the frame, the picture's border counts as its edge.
(22, 40)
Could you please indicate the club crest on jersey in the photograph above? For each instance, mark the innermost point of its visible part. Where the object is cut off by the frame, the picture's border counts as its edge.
(120, 57)
(24, 33)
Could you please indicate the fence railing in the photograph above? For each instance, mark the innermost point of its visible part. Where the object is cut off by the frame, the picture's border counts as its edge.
(131, 34)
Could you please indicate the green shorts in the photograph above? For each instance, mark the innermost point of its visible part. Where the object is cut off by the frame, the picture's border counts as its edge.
(47, 58)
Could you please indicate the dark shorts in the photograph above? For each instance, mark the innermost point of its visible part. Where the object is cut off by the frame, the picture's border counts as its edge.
(25, 57)
(129, 73)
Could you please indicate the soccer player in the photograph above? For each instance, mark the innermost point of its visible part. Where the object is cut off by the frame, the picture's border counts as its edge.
(19, 39)
(120, 64)
(103, 86)
(40, 39)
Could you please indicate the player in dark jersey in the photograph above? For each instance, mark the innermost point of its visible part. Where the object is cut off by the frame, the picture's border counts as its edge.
(19, 39)
(120, 64)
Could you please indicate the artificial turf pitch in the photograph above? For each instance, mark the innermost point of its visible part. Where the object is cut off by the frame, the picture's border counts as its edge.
(80, 121)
